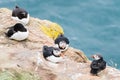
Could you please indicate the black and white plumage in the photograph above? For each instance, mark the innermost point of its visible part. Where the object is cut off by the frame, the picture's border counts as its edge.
(17, 32)
(62, 42)
(52, 54)
(20, 15)
(97, 65)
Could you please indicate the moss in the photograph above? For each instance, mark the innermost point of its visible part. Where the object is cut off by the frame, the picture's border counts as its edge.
(14, 75)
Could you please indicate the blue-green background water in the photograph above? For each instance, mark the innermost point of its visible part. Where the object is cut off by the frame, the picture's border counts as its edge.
(91, 25)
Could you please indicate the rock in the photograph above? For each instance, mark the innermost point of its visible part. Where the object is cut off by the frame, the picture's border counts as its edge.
(36, 38)
(76, 55)
(21, 57)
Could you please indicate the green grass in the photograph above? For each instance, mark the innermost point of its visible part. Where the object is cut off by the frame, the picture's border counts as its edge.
(14, 75)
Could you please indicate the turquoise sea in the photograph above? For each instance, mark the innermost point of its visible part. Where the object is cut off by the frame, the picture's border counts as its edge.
(91, 25)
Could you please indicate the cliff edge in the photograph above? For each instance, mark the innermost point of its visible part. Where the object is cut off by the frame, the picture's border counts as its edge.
(19, 59)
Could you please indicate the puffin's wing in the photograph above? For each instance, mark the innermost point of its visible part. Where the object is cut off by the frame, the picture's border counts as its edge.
(102, 65)
(46, 51)
(94, 65)
(67, 40)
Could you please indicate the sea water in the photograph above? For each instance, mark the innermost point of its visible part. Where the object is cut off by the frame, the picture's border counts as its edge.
(91, 25)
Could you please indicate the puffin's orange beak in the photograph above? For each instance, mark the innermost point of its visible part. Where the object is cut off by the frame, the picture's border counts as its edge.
(61, 54)
(92, 56)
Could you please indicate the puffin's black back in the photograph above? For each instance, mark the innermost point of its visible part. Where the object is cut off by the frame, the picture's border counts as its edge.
(19, 27)
(102, 65)
(61, 38)
(15, 28)
(19, 12)
(47, 51)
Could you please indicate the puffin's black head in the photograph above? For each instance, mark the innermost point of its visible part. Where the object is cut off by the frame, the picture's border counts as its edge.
(16, 6)
(97, 57)
(61, 38)
(19, 12)
(19, 27)
(50, 51)
(62, 41)
(22, 14)
(61, 35)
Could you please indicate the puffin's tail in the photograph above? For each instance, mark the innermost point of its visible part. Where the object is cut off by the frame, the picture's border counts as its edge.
(45, 47)
(6, 34)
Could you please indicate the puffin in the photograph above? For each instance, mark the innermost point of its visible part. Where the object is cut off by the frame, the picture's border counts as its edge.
(52, 54)
(20, 15)
(97, 65)
(17, 32)
(61, 42)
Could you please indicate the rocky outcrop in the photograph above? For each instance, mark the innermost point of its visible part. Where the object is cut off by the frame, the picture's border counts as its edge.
(22, 56)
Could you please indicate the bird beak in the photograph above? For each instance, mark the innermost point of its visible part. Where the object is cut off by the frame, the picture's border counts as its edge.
(62, 54)
(92, 56)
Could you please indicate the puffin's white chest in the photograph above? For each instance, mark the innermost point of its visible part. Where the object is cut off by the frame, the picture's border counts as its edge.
(55, 59)
(19, 35)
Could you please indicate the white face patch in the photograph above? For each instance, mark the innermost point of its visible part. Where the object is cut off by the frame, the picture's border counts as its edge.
(62, 44)
(96, 57)
(56, 52)
(24, 21)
